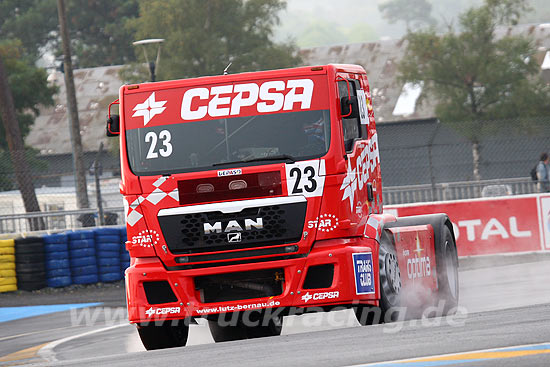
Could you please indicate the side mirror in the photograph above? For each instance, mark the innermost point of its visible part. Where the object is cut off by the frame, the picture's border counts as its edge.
(349, 107)
(113, 125)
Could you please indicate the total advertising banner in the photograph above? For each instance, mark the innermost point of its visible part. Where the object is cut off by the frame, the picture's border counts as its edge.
(492, 226)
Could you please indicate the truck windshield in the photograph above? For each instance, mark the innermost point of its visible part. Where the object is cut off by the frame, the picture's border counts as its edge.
(213, 144)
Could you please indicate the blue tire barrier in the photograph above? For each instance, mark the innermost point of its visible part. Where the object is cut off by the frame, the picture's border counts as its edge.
(107, 246)
(105, 261)
(83, 261)
(82, 252)
(85, 243)
(81, 235)
(57, 264)
(59, 282)
(84, 270)
(56, 238)
(125, 257)
(107, 239)
(55, 247)
(61, 272)
(110, 277)
(57, 255)
(108, 269)
(109, 231)
(86, 279)
(108, 254)
(123, 233)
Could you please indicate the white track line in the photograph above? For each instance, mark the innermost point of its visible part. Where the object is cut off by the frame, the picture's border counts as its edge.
(47, 351)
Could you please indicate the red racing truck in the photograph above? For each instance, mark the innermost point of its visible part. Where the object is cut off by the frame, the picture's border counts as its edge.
(253, 196)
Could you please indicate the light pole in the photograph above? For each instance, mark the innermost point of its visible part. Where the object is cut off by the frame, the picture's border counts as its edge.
(545, 66)
(154, 63)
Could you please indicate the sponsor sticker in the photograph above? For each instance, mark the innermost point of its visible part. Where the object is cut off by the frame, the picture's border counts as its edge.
(325, 223)
(146, 238)
(230, 172)
(418, 266)
(319, 296)
(162, 311)
(149, 109)
(364, 273)
(360, 171)
(228, 100)
(244, 307)
(363, 108)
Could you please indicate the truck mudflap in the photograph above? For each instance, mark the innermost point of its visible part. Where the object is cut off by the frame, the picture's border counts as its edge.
(335, 272)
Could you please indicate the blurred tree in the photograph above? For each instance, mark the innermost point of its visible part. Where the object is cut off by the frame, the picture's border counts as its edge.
(31, 21)
(29, 88)
(22, 88)
(414, 13)
(203, 36)
(475, 76)
(28, 84)
(97, 28)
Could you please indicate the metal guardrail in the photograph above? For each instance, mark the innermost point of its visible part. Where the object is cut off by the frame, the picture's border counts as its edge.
(61, 220)
(458, 190)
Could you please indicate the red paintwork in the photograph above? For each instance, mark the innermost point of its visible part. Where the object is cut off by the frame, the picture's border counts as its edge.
(415, 252)
(339, 220)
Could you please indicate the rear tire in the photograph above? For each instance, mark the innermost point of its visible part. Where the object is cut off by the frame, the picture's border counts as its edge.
(163, 336)
(447, 272)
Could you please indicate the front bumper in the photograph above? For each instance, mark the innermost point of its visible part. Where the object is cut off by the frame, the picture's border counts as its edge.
(343, 291)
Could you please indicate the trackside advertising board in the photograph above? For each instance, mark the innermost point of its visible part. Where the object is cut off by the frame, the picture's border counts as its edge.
(492, 226)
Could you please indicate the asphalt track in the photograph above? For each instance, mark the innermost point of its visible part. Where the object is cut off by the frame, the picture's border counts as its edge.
(504, 321)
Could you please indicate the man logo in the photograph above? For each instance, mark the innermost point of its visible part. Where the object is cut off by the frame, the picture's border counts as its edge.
(233, 225)
(234, 237)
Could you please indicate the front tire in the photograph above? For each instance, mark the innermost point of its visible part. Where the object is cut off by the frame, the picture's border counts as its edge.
(162, 336)
(241, 331)
(390, 288)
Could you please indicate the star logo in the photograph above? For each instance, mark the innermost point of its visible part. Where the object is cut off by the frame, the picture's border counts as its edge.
(149, 109)
(349, 185)
(150, 312)
(418, 248)
(306, 297)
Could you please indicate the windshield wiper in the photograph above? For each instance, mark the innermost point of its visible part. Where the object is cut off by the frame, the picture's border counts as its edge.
(258, 159)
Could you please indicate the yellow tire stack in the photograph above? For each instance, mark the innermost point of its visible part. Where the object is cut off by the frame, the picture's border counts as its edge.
(8, 281)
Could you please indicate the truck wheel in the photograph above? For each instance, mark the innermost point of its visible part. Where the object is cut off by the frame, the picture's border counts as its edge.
(368, 315)
(163, 336)
(225, 333)
(273, 328)
(240, 331)
(447, 271)
(390, 289)
(390, 281)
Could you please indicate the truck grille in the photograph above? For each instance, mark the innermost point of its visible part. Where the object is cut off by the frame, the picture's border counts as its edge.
(186, 234)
